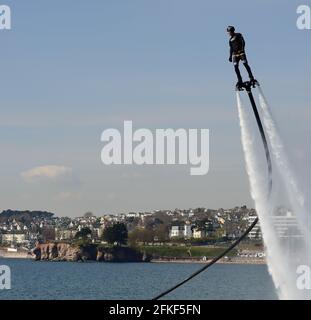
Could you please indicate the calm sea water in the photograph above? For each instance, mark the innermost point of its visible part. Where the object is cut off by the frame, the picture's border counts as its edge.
(65, 280)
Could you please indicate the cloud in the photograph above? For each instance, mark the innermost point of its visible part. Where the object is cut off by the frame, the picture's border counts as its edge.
(48, 173)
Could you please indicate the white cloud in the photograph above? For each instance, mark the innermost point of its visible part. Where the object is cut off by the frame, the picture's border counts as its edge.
(49, 172)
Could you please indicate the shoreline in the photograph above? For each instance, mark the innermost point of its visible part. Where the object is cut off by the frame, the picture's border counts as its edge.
(15, 255)
(18, 256)
(178, 261)
(231, 261)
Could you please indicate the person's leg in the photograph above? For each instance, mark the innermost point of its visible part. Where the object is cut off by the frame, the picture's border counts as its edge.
(247, 67)
(236, 61)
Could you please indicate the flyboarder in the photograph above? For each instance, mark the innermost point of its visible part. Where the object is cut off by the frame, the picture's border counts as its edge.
(237, 54)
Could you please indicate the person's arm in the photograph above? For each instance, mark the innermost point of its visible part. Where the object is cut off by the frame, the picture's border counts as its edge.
(242, 42)
(231, 51)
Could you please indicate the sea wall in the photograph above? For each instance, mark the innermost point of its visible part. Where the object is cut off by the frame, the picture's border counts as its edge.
(19, 254)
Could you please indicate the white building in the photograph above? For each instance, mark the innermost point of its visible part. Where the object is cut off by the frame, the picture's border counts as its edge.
(255, 233)
(12, 238)
(181, 231)
(64, 234)
(198, 234)
(132, 215)
(175, 232)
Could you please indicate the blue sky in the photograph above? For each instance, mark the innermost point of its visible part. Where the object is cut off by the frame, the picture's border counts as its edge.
(72, 69)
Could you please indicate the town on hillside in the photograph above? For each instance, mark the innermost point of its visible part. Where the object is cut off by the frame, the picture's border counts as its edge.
(159, 227)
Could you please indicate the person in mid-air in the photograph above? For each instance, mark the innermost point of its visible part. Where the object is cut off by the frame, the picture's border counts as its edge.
(237, 54)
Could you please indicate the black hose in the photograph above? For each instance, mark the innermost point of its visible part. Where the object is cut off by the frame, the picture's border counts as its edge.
(263, 136)
(250, 228)
(233, 245)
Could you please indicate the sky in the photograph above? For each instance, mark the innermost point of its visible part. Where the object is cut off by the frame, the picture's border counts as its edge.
(73, 69)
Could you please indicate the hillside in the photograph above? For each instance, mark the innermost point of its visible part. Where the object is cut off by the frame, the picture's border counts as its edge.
(23, 216)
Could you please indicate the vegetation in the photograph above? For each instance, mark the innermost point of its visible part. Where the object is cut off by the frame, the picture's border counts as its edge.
(24, 216)
(251, 245)
(116, 233)
(158, 233)
(184, 251)
(88, 214)
(84, 233)
(205, 225)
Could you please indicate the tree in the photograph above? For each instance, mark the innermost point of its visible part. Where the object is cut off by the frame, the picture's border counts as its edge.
(88, 214)
(116, 233)
(205, 225)
(161, 233)
(141, 235)
(83, 233)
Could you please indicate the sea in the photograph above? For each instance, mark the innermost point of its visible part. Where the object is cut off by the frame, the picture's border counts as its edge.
(40, 280)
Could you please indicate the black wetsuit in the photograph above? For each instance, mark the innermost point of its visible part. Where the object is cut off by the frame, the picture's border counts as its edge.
(237, 54)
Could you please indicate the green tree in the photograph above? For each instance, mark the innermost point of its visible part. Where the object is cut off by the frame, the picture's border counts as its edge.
(205, 225)
(140, 235)
(83, 233)
(116, 233)
(161, 233)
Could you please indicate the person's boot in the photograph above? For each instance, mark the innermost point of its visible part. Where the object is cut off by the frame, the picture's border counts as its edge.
(239, 85)
(253, 82)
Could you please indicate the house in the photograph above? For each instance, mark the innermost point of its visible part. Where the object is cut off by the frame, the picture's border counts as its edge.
(64, 234)
(14, 238)
(175, 232)
(181, 231)
(198, 234)
(255, 233)
(132, 215)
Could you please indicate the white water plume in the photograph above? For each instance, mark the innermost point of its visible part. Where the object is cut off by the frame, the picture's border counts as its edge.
(283, 219)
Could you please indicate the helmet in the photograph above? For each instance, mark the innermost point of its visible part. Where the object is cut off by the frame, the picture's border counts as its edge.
(231, 29)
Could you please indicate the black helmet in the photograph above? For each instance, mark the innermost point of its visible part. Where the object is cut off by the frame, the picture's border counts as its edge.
(231, 29)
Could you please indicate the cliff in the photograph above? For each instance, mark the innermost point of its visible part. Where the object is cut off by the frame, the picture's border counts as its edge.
(68, 252)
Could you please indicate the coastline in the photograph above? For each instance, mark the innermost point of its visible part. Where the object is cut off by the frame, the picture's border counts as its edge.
(228, 260)
(16, 256)
(222, 261)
